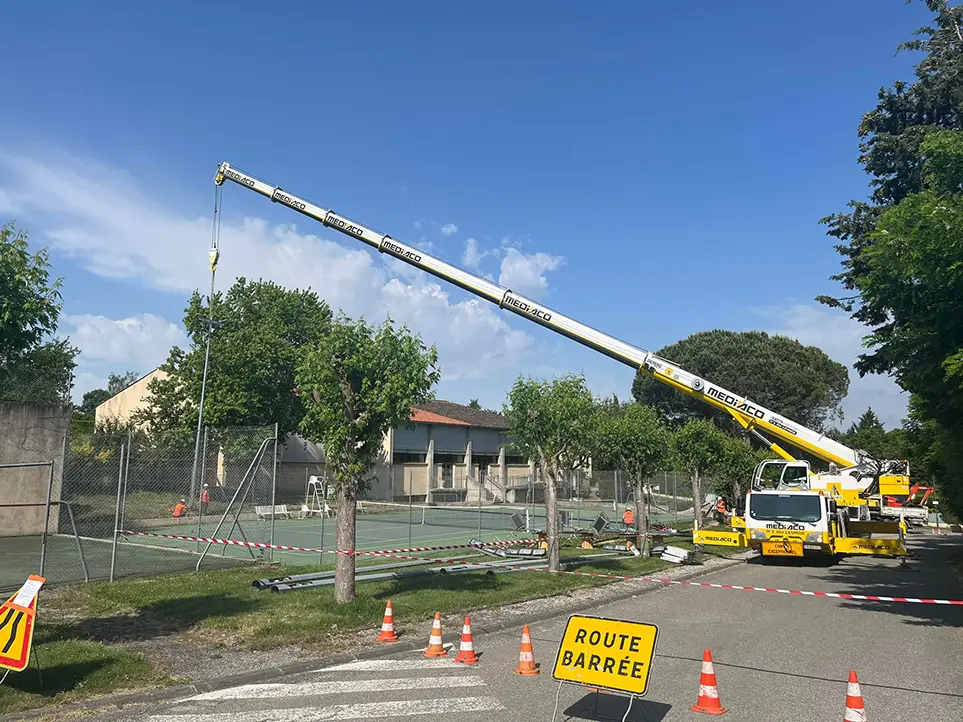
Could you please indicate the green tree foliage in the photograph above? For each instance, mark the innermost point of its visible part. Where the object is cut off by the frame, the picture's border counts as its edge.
(34, 366)
(699, 447)
(356, 382)
(913, 282)
(797, 381)
(473, 404)
(260, 329)
(118, 382)
(732, 472)
(553, 423)
(636, 440)
(891, 135)
(901, 251)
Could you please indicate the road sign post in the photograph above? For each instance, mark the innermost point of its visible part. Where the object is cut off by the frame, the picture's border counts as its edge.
(610, 654)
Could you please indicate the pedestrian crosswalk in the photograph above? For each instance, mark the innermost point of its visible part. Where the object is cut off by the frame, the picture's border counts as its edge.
(370, 690)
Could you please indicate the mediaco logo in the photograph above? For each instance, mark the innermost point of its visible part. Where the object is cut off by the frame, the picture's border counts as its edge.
(235, 176)
(288, 200)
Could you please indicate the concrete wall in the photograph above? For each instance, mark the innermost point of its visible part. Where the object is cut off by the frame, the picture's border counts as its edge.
(30, 433)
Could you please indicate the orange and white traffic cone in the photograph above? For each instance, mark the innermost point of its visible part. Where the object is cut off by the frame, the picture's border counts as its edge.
(466, 654)
(435, 647)
(855, 711)
(387, 633)
(526, 656)
(708, 701)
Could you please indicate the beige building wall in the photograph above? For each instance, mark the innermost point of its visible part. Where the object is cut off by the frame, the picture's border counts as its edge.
(121, 406)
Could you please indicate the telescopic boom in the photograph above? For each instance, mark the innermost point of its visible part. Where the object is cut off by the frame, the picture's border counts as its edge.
(753, 417)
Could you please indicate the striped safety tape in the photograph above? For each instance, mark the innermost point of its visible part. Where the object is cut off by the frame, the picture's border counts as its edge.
(281, 547)
(391, 554)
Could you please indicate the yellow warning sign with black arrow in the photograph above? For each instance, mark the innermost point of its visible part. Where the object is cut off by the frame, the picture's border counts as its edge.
(17, 616)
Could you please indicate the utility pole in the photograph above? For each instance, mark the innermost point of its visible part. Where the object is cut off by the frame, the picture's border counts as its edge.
(213, 256)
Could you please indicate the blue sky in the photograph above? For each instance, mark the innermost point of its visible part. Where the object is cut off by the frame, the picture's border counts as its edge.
(650, 169)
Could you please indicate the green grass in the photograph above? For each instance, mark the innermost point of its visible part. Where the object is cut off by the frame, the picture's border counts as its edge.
(74, 668)
(80, 643)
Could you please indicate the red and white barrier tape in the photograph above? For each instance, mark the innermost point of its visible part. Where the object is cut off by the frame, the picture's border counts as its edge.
(281, 547)
(618, 577)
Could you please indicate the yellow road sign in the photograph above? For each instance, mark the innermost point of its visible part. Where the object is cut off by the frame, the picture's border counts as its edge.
(17, 616)
(606, 653)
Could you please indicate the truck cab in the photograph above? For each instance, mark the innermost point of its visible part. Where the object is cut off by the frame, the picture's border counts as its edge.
(789, 523)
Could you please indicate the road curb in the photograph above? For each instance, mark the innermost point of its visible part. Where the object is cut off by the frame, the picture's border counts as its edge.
(266, 674)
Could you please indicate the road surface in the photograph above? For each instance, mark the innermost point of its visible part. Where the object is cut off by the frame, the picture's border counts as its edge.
(777, 657)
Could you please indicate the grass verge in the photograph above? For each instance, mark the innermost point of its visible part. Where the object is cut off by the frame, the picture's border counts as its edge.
(86, 632)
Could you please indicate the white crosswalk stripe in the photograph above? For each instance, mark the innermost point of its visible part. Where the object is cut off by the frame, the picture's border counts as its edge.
(343, 692)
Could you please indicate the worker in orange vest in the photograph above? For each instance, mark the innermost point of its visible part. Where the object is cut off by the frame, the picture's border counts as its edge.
(628, 517)
(180, 508)
(721, 510)
(205, 497)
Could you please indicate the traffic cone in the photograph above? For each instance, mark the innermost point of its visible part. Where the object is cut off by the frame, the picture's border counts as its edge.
(708, 701)
(855, 711)
(435, 647)
(466, 654)
(387, 633)
(526, 657)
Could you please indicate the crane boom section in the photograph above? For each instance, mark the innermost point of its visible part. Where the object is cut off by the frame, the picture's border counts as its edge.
(750, 415)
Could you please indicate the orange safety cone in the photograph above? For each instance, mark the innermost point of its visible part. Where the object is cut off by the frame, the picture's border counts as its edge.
(526, 657)
(387, 633)
(466, 655)
(435, 647)
(855, 711)
(708, 701)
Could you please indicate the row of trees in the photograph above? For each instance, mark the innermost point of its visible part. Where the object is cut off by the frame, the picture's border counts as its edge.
(902, 251)
(562, 425)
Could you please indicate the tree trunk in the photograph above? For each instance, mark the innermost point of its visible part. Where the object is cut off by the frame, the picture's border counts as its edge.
(641, 517)
(696, 501)
(551, 512)
(345, 563)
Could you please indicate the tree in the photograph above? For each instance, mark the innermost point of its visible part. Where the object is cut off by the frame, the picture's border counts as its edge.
(118, 382)
(799, 382)
(552, 422)
(34, 366)
(638, 441)
(473, 404)
(912, 286)
(700, 447)
(356, 382)
(892, 134)
(732, 473)
(260, 329)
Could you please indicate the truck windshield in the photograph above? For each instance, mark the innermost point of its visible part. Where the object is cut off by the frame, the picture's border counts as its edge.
(784, 507)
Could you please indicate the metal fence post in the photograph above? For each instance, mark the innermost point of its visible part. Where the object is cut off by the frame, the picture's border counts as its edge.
(46, 519)
(113, 546)
(274, 485)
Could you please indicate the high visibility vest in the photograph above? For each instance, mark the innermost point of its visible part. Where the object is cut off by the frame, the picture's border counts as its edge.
(180, 509)
(721, 506)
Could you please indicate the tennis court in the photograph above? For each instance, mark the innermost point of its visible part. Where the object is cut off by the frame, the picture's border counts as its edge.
(380, 526)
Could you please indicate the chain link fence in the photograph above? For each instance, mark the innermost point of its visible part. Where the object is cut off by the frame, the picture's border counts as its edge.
(122, 495)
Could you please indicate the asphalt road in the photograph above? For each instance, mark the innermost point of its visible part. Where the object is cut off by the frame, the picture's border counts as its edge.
(777, 657)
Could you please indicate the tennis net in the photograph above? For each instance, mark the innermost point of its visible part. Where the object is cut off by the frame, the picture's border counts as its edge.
(492, 518)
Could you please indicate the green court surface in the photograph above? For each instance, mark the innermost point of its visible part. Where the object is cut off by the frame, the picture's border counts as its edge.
(380, 526)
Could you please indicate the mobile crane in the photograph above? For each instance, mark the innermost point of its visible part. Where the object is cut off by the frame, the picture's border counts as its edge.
(848, 495)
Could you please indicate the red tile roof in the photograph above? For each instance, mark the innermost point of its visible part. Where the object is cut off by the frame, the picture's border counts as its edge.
(428, 417)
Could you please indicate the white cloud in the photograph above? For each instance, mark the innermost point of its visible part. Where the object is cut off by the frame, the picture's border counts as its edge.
(448, 229)
(841, 338)
(97, 215)
(525, 273)
(140, 341)
(472, 256)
